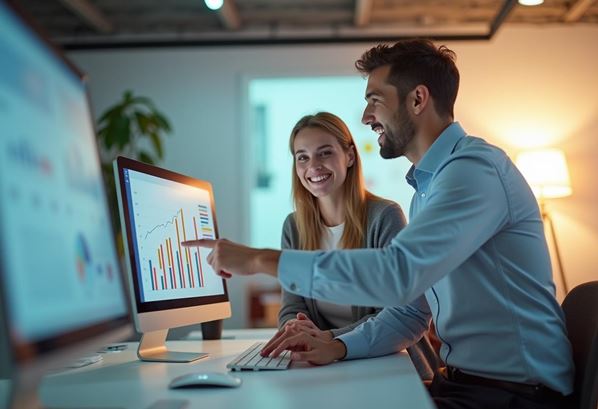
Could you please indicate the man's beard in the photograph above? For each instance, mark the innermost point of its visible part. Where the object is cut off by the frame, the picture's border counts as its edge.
(395, 143)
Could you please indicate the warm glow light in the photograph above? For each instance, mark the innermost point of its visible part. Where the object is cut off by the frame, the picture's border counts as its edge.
(546, 172)
(531, 2)
(214, 4)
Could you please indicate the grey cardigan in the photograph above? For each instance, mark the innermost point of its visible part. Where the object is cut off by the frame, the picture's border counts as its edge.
(385, 219)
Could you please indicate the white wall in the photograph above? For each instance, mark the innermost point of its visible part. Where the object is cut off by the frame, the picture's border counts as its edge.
(526, 87)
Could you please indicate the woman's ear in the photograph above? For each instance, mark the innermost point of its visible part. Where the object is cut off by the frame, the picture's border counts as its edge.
(351, 154)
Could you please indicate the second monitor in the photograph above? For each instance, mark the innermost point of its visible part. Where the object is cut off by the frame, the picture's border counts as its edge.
(171, 286)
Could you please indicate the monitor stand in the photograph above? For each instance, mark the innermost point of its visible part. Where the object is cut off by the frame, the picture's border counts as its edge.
(152, 347)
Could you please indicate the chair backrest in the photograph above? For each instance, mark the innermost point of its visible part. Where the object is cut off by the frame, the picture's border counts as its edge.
(581, 313)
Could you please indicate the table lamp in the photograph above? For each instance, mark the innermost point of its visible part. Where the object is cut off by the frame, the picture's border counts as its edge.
(547, 174)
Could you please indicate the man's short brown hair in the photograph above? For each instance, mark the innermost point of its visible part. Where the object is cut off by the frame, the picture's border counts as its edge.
(417, 62)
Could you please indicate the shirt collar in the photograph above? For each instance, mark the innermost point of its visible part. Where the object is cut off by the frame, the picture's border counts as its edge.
(437, 153)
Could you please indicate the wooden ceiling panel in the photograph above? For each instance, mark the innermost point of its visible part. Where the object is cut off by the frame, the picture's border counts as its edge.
(326, 20)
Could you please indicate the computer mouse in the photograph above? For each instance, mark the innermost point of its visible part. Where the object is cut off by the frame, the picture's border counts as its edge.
(205, 379)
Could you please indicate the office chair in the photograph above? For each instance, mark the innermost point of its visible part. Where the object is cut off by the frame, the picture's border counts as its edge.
(581, 315)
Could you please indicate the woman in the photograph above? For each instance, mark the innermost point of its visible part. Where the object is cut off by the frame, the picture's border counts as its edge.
(334, 210)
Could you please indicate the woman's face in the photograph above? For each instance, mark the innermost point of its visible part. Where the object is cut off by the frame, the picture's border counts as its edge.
(320, 162)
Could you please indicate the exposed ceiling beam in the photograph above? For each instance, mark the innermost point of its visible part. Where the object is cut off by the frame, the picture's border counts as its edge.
(577, 10)
(279, 36)
(501, 16)
(363, 12)
(90, 14)
(229, 15)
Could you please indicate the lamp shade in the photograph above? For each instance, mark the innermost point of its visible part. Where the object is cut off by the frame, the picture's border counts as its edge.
(546, 172)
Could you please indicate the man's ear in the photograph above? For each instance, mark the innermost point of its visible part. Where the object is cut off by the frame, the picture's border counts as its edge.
(420, 99)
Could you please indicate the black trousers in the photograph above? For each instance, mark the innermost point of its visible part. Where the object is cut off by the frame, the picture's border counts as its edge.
(456, 395)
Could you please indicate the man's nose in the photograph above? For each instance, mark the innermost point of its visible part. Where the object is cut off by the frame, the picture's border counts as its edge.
(367, 117)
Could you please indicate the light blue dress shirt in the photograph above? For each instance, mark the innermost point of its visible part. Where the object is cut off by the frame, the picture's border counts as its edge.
(473, 258)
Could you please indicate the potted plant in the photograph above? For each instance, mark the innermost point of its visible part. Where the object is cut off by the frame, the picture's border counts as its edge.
(133, 127)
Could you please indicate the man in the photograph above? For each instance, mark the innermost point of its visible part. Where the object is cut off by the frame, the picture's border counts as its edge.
(474, 247)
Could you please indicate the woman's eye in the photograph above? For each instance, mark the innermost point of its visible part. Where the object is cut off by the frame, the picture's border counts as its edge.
(325, 154)
(301, 158)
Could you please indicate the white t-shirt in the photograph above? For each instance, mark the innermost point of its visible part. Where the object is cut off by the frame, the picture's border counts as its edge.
(338, 315)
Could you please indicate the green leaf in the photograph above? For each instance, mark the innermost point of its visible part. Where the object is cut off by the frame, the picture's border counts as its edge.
(145, 157)
(127, 96)
(121, 132)
(157, 143)
(114, 111)
(143, 101)
(142, 122)
(162, 121)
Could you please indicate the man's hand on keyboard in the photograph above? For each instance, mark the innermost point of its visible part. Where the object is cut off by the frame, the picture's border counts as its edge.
(307, 348)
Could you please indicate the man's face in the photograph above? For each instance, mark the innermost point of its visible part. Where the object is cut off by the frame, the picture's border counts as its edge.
(387, 116)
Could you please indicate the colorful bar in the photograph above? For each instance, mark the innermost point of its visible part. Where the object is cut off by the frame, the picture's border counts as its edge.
(181, 276)
(199, 277)
(199, 268)
(183, 222)
(172, 283)
(163, 265)
(180, 253)
(171, 261)
(156, 279)
(151, 278)
(163, 287)
(189, 264)
(189, 260)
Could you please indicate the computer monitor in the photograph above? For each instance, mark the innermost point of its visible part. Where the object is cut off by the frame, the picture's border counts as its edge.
(61, 287)
(170, 285)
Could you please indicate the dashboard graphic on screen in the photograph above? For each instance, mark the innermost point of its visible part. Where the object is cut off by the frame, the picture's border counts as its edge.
(163, 214)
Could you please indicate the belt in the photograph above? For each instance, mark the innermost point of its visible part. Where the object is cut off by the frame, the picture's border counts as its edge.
(531, 391)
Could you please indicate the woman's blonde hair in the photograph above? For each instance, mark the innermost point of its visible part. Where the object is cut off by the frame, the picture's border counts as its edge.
(307, 211)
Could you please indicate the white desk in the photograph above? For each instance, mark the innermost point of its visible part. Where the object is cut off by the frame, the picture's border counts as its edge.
(122, 381)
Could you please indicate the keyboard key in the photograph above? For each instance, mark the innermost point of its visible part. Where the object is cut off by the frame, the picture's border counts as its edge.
(250, 359)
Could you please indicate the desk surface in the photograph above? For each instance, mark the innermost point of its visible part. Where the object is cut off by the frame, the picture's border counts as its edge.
(122, 381)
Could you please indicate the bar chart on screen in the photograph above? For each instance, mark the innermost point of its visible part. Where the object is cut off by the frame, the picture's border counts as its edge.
(165, 214)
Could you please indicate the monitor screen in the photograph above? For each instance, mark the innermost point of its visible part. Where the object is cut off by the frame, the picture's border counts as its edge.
(163, 209)
(59, 270)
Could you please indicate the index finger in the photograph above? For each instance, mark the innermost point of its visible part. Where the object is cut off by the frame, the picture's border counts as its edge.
(298, 341)
(280, 337)
(199, 243)
(268, 347)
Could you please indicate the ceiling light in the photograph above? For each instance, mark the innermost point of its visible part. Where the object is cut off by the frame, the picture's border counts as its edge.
(531, 2)
(214, 4)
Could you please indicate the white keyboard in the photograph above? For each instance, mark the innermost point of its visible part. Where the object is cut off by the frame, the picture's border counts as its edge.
(250, 359)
